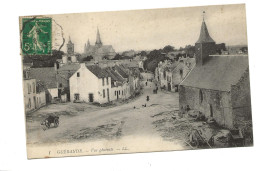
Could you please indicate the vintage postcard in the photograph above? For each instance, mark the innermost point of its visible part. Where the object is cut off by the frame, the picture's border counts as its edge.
(136, 81)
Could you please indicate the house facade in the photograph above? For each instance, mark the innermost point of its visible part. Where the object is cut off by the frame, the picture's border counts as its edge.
(90, 84)
(169, 74)
(34, 97)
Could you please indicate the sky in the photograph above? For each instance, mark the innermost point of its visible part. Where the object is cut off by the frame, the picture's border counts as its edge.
(152, 29)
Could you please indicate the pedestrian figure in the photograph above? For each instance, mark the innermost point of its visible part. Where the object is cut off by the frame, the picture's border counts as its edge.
(187, 108)
(134, 107)
(147, 98)
(146, 83)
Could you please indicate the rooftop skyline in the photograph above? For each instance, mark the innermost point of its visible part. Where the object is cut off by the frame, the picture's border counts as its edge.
(155, 28)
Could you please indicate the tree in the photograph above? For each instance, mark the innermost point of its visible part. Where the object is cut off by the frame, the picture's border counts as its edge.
(143, 53)
(189, 50)
(88, 58)
(168, 49)
(117, 57)
(244, 49)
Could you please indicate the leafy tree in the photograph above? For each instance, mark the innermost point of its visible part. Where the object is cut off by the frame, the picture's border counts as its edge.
(244, 49)
(143, 53)
(88, 58)
(168, 49)
(117, 57)
(189, 50)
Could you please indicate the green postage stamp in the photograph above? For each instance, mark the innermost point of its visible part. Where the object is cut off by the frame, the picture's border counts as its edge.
(36, 36)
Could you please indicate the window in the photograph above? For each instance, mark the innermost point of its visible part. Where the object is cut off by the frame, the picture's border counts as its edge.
(122, 92)
(119, 92)
(28, 86)
(104, 93)
(103, 82)
(33, 84)
(107, 81)
(115, 93)
(181, 71)
(60, 85)
(201, 96)
(78, 74)
(29, 104)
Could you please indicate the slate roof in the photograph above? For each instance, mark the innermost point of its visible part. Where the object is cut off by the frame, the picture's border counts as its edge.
(69, 67)
(104, 49)
(46, 75)
(97, 71)
(218, 73)
(114, 76)
(120, 71)
(204, 34)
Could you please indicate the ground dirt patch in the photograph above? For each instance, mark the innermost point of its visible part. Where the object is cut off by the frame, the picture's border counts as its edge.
(105, 131)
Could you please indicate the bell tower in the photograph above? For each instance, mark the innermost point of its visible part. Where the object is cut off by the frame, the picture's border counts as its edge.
(70, 47)
(205, 45)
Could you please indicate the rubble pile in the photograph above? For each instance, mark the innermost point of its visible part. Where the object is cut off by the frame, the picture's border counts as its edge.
(192, 129)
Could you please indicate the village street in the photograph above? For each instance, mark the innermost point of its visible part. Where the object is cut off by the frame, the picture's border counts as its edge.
(95, 123)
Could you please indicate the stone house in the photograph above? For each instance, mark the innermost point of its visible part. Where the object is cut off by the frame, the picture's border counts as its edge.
(218, 86)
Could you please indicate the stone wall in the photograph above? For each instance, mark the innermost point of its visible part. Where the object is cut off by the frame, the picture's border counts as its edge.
(203, 50)
(241, 101)
(211, 103)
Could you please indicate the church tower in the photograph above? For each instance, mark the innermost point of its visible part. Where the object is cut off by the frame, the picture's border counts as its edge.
(205, 46)
(70, 47)
(98, 40)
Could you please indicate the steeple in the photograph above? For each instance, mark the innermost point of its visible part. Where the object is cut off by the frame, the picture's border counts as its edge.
(70, 47)
(98, 40)
(205, 45)
(88, 43)
(204, 33)
(69, 42)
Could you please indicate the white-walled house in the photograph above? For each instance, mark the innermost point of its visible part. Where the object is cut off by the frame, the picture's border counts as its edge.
(34, 97)
(90, 84)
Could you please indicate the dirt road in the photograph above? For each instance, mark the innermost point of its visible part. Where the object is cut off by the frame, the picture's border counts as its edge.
(131, 119)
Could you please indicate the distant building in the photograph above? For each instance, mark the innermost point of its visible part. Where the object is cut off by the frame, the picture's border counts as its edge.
(70, 56)
(218, 86)
(169, 74)
(99, 51)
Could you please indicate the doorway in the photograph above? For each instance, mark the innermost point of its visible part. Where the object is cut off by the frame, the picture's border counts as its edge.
(211, 110)
(108, 98)
(91, 97)
(76, 96)
(169, 87)
(34, 101)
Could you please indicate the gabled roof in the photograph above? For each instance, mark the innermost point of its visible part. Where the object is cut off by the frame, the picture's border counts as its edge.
(120, 71)
(46, 75)
(219, 73)
(69, 67)
(97, 71)
(114, 76)
(204, 34)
